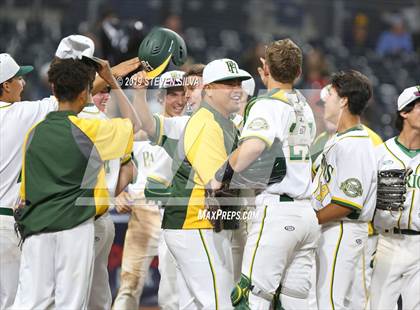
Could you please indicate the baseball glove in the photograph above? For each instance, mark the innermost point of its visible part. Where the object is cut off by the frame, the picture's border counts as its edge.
(392, 186)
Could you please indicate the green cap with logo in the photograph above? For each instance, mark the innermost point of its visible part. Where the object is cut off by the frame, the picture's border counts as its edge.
(158, 48)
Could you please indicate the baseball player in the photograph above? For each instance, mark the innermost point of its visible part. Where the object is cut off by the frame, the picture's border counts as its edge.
(13, 111)
(344, 195)
(26, 113)
(170, 132)
(284, 231)
(100, 293)
(142, 237)
(364, 269)
(63, 188)
(396, 264)
(204, 278)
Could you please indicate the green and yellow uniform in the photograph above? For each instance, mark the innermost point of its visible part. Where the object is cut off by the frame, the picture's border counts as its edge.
(63, 176)
(207, 141)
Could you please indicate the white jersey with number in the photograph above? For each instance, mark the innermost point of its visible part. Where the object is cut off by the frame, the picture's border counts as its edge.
(348, 175)
(112, 167)
(393, 155)
(286, 117)
(15, 121)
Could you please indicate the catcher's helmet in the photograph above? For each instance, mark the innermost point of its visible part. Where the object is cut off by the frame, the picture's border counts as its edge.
(158, 48)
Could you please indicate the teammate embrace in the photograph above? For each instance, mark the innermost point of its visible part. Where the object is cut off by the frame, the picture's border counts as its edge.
(223, 156)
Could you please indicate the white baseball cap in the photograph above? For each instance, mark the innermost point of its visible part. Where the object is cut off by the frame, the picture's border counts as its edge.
(76, 47)
(408, 96)
(248, 85)
(223, 69)
(170, 79)
(9, 68)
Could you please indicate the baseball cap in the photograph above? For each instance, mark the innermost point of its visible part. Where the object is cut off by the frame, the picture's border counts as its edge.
(248, 86)
(223, 69)
(9, 68)
(76, 47)
(171, 79)
(409, 95)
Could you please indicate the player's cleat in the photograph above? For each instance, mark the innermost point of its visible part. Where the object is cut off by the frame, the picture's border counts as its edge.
(240, 293)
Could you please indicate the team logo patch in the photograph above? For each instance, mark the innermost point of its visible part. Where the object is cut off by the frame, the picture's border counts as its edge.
(352, 187)
(358, 241)
(289, 228)
(388, 162)
(258, 124)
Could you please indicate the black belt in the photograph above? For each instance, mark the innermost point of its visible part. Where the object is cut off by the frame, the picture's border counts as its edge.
(285, 198)
(406, 231)
(6, 211)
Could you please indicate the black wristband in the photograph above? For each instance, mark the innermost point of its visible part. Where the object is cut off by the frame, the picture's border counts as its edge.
(225, 173)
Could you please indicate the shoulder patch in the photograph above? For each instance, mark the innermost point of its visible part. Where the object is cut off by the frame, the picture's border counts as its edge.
(352, 187)
(258, 123)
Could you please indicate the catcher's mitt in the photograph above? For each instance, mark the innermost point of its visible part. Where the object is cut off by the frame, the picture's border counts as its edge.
(392, 186)
(218, 201)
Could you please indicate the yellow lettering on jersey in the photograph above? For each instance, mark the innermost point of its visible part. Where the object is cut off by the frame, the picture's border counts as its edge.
(323, 192)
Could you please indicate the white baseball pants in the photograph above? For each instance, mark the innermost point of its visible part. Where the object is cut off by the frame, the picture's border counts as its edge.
(204, 267)
(339, 252)
(140, 247)
(280, 250)
(100, 293)
(9, 261)
(396, 272)
(56, 269)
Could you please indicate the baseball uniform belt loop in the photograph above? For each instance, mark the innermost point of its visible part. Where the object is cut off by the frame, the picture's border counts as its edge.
(285, 198)
(406, 231)
(6, 211)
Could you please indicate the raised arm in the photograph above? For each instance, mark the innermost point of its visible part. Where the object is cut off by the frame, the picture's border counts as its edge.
(126, 109)
(148, 122)
(118, 71)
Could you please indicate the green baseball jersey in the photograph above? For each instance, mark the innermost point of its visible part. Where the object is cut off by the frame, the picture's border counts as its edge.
(63, 176)
(203, 148)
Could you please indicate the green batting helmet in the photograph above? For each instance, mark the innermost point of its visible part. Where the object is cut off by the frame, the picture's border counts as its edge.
(158, 48)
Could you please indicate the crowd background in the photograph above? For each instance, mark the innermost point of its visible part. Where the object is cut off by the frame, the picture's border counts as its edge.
(380, 38)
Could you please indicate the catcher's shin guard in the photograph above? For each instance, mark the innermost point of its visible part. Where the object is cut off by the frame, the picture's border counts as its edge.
(240, 293)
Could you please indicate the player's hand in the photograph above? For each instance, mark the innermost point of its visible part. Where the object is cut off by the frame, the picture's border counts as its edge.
(263, 71)
(215, 185)
(124, 202)
(105, 72)
(125, 67)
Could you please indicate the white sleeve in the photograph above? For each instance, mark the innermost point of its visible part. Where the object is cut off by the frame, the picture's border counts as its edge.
(265, 121)
(37, 110)
(169, 127)
(350, 177)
